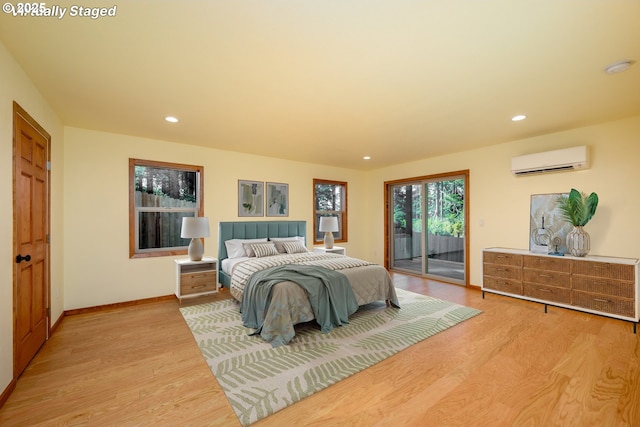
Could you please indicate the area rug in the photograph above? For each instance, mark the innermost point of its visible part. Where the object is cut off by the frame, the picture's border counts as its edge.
(259, 380)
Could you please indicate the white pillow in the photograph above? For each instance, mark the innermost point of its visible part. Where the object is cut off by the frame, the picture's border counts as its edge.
(264, 249)
(235, 247)
(279, 240)
(295, 247)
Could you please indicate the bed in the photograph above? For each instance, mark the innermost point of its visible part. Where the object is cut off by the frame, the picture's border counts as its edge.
(256, 251)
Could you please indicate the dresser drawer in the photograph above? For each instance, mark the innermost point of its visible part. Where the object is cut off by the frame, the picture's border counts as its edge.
(193, 283)
(547, 293)
(604, 269)
(503, 258)
(503, 285)
(542, 277)
(604, 286)
(503, 271)
(547, 263)
(604, 303)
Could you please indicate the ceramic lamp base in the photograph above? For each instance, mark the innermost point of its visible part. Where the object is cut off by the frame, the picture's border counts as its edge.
(196, 249)
(328, 240)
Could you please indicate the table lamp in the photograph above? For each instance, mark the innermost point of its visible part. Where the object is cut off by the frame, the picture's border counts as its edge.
(328, 224)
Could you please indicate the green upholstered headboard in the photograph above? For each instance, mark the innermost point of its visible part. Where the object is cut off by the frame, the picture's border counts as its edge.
(253, 230)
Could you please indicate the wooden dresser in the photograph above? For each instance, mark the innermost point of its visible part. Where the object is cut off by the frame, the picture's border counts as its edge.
(606, 286)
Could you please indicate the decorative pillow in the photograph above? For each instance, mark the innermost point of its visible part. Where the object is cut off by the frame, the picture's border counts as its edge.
(248, 249)
(295, 247)
(264, 249)
(279, 240)
(235, 247)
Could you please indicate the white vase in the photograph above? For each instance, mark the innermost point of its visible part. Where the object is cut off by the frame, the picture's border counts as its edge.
(578, 242)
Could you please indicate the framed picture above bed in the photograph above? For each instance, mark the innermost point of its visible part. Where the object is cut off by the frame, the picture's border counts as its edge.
(250, 198)
(277, 199)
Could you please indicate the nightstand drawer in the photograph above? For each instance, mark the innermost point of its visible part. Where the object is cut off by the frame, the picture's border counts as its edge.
(192, 283)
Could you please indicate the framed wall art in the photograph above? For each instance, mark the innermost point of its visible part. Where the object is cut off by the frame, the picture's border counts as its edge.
(547, 229)
(277, 199)
(250, 198)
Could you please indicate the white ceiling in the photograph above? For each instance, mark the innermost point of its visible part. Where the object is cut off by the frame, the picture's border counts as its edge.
(328, 81)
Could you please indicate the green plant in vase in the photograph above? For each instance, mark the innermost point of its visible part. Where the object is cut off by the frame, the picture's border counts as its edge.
(578, 209)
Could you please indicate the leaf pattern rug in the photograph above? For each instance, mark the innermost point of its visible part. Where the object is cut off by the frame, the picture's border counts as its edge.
(259, 380)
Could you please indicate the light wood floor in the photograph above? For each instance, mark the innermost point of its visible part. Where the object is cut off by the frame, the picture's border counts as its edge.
(513, 365)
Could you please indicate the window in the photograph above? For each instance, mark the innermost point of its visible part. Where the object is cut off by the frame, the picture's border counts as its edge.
(330, 199)
(160, 195)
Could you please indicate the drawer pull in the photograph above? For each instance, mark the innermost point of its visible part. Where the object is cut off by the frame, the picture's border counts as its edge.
(602, 300)
(596, 282)
(544, 275)
(545, 290)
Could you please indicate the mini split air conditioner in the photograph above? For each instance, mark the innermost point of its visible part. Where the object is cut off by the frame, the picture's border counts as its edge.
(551, 161)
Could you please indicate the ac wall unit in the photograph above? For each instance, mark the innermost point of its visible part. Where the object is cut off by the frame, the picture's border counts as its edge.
(551, 161)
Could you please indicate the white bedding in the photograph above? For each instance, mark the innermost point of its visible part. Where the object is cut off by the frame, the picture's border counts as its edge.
(228, 264)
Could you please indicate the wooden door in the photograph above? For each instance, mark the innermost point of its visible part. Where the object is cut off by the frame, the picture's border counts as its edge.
(31, 230)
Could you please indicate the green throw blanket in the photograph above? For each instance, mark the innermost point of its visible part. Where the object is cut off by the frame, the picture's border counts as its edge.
(330, 294)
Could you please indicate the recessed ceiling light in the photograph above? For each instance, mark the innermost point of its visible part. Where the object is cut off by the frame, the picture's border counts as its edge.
(171, 119)
(367, 157)
(518, 117)
(618, 67)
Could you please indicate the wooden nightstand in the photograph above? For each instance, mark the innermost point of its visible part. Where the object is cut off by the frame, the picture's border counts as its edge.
(334, 250)
(195, 278)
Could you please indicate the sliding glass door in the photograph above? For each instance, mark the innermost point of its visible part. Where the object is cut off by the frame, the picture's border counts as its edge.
(445, 225)
(428, 227)
(406, 228)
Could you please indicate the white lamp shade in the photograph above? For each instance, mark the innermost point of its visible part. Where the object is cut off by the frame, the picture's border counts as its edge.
(328, 223)
(195, 227)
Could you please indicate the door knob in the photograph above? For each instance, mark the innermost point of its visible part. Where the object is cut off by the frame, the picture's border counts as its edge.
(21, 258)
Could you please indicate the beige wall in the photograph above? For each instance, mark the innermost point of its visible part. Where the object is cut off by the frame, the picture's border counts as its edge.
(501, 201)
(16, 86)
(98, 270)
(96, 205)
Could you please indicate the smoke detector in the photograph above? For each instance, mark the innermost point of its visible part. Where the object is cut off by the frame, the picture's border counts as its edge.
(618, 67)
